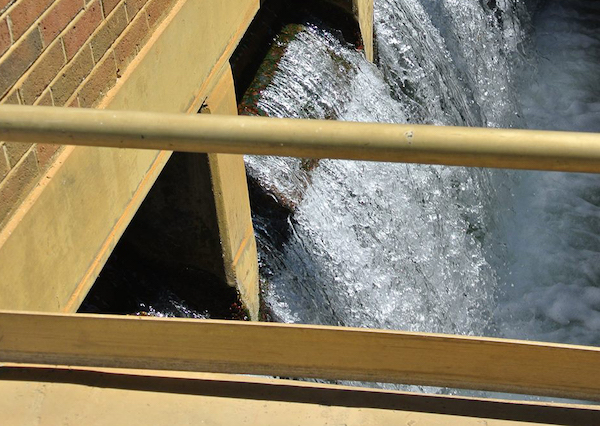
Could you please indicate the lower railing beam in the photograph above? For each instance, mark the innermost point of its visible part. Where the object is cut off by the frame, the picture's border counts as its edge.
(301, 351)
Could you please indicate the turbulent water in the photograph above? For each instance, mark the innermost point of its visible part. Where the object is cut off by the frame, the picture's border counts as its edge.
(434, 248)
(552, 278)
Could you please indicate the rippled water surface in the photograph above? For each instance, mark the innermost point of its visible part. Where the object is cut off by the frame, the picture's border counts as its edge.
(433, 248)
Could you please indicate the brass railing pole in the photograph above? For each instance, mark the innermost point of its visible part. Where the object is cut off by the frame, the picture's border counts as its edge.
(457, 146)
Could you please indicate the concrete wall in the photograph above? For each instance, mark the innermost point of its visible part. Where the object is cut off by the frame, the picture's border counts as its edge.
(74, 210)
(363, 10)
(232, 205)
(62, 53)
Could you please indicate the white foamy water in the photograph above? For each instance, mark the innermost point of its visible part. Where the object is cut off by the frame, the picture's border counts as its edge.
(552, 278)
(433, 248)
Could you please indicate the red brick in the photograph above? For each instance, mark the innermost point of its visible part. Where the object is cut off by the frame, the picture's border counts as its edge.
(24, 14)
(59, 16)
(14, 65)
(109, 5)
(133, 37)
(4, 4)
(72, 76)
(17, 183)
(157, 9)
(42, 73)
(45, 99)
(4, 36)
(45, 155)
(108, 33)
(4, 166)
(14, 151)
(102, 78)
(82, 28)
(134, 6)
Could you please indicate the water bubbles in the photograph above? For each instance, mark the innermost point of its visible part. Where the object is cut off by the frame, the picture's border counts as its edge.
(433, 248)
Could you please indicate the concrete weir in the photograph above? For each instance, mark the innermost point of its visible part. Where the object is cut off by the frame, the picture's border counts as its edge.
(61, 234)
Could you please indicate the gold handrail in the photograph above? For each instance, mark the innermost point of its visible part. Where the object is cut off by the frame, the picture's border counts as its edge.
(410, 143)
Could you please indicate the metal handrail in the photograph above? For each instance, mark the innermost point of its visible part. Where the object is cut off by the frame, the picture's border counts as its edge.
(409, 143)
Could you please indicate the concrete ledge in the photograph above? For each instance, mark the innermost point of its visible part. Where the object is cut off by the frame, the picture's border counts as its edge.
(34, 394)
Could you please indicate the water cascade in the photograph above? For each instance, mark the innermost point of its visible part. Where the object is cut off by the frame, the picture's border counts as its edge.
(434, 248)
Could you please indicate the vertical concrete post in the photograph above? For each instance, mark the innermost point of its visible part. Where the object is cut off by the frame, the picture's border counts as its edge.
(197, 215)
(230, 190)
(363, 11)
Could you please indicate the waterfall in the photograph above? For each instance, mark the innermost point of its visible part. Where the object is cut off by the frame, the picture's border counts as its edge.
(434, 248)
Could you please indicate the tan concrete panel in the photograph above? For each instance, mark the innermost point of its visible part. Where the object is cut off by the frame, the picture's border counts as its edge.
(233, 206)
(192, 49)
(364, 11)
(221, 99)
(52, 250)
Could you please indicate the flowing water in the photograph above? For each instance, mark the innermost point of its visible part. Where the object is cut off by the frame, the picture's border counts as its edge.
(433, 248)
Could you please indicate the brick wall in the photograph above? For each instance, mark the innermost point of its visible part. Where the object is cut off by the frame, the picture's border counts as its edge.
(62, 53)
